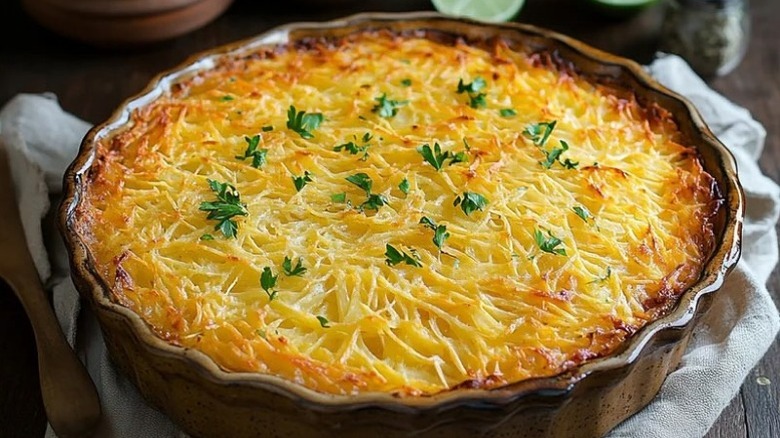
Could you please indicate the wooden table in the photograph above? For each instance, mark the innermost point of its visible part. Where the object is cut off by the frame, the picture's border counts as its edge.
(91, 82)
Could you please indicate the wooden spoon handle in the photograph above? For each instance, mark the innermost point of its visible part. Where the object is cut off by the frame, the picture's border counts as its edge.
(69, 396)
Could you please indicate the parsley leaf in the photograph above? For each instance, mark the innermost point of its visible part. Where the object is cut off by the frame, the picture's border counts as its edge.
(477, 84)
(324, 323)
(339, 197)
(476, 99)
(404, 186)
(289, 270)
(548, 244)
(303, 123)
(226, 98)
(353, 148)
(436, 158)
(507, 112)
(267, 128)
(406, 82)
(394, 257)
(227, 206)
(440, 233)
(258, 155)
(387, 108)
(470, 202)
(555, 155)
(373, 202)
(361, 180)
(301, 181)
(207, 236)
(582, 212)
(539, 132)
(268, 282)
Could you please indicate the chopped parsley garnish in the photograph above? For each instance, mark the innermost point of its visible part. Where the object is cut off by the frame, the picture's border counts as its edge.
(476, 99)
(207, 236)
(354, 149)
(507, 112)
(267, 128)
(324, 323)
(387, 108)
(404, 186)
(539, 132)
(339, 197)
(373, 201)
(227, 206)
(226, 98)
(303, 123)
(555, 155)
(290, 270)
(549, 244)
(470, 202)
(361, 180)
(258, 156)
(268, 282)
(394, 257)
(582, 212)
(301, 181)
(406, 82)
(440, 233)
(436, 158)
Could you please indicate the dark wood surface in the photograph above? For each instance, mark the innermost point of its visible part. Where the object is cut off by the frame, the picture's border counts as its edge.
(91, 82)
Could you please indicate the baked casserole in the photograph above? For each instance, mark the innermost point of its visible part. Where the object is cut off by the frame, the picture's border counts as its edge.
(401, 224)
(398, 212)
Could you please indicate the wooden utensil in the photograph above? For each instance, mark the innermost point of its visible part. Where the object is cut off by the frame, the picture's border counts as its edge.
(69, 396)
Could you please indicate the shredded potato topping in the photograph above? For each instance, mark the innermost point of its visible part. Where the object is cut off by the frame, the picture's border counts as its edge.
(561, 264)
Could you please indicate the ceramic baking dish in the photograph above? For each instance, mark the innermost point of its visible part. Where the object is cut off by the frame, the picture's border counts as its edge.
(587, 400)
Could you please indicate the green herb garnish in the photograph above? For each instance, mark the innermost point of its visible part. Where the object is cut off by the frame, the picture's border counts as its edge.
(354, 149)
(549, 244)
(258, 156)
(268, 282)
(387, 108)
(290, 270)
(555, 155)
(436, 158)
(207, 236)
(373, 202)
(539, 132)
(226, 98)
(604, 278)
(303, 123)
(339, 197)
(301, 181)
(324, 323)
(267, 128)
(406, 82)
(507, 112)
(470, 202)
(394, 257)
(227, 206)
(440, 233)
(404, 186)
(582, 212)
(476, 99)
(361, 180)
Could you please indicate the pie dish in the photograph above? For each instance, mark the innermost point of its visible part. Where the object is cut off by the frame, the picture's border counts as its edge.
(391, 257)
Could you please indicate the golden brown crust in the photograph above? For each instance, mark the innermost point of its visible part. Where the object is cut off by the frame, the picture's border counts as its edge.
(491, 308)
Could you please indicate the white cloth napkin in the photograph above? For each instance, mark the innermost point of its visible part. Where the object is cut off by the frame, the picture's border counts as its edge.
(41, 140)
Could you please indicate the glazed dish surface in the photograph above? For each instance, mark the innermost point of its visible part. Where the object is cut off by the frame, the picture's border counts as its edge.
(398, 212)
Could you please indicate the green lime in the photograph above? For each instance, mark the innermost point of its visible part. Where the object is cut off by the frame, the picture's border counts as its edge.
(621, 8)
(493, 11)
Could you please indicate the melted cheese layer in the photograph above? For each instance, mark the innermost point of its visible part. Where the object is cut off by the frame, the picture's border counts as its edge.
(491, 308)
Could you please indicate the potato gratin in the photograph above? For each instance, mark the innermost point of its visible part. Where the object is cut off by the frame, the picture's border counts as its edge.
(398, 213)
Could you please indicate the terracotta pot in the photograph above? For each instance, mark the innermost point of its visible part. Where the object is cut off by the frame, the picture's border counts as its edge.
(124, 22)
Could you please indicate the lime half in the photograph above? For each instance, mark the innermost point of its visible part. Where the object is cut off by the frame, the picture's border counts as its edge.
(622, 7)
(494, 11)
